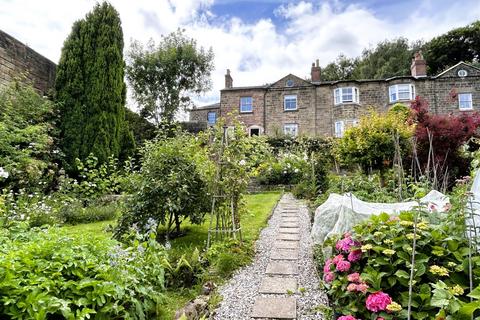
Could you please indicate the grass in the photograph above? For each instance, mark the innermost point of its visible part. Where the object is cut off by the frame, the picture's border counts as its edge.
(259, 207)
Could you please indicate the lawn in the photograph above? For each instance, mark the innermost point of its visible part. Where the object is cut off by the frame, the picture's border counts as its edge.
(259, 207)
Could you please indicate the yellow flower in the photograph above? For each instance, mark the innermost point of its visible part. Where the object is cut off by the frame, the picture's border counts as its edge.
(441, 271)
(406, 223)
(451, 264)
(388, 252)
(457, 290)
(410, 236)
(388, 241)
(422, 225)
(378, 234)
(394, 307)
(366, 247)
(438, 253)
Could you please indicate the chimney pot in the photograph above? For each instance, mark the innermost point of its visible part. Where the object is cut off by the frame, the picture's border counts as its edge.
(228, 80)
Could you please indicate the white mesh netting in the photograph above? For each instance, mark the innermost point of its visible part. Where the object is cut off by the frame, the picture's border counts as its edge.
(340, 213)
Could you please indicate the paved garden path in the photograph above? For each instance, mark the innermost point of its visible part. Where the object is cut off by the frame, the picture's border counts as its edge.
(282, 282)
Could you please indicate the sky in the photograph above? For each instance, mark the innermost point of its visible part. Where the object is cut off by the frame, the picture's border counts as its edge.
(259, 41)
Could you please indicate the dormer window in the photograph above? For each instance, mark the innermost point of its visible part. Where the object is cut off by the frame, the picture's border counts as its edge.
(346, 95)
(401, 92)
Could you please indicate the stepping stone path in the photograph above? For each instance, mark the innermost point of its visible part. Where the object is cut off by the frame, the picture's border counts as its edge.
(282, 282)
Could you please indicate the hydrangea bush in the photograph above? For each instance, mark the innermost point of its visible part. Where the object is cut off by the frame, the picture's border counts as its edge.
(367, 277)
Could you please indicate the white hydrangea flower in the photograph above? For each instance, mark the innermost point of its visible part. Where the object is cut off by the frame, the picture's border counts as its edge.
(3, 174)
(242, 162)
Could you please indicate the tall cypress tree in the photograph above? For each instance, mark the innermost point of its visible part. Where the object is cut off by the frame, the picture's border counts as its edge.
(91, 89)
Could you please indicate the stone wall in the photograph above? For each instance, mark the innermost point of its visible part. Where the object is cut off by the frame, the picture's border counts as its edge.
(230, 104)
(18, 60)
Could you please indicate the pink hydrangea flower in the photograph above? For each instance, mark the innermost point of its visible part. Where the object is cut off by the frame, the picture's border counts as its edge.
(337, 259)
(378, 301)
(344, 244)
(326, 267)
(355, 255)
(329, 277)
(343, 266)
(362, 287)
(380, 318)
(352, 287)
(354, 277)
(347, 318)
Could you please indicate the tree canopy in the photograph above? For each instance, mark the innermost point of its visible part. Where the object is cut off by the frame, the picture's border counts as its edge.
(164, 76)
(391, 58)
(90, 88)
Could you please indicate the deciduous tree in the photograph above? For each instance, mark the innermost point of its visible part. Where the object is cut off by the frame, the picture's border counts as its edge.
(164, 76)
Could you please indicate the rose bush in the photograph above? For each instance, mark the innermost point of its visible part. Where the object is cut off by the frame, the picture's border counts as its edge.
(368, 275)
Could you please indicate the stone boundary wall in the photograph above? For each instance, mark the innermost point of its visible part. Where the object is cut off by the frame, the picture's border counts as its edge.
(17, 59)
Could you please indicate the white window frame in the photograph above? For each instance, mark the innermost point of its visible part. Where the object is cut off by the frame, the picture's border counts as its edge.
(290, 97)
(290, 129)
(339, 128)
(465, 101)
(215, 119)
(407, 90)
(244, 104)
(342, 95)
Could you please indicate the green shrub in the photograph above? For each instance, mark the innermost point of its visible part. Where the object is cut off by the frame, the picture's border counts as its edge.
(47, 274)
(171, 186)
(377, 257)
(226, 257)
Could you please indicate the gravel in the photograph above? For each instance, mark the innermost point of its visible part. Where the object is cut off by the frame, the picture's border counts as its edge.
(239, 293)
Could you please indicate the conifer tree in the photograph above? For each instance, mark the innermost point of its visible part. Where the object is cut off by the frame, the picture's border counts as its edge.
(91, 89)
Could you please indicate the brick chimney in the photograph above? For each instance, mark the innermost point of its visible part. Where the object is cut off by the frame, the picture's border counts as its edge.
(228, 80)
(419, 65)
(316, 72)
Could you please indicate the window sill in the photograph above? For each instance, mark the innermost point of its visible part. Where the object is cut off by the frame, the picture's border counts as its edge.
(246, 112)
(290, 110)
(347, 104)
(470, 109)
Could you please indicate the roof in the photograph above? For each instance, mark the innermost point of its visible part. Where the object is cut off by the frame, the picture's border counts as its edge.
(320, 83)
(246, 88)
(209, 106)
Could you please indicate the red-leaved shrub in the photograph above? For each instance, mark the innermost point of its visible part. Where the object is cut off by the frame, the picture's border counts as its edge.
(448, 133)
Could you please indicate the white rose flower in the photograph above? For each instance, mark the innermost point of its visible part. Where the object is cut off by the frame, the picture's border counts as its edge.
(242, 162)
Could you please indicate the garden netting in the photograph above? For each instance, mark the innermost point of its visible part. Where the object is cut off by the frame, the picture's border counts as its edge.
(340, 213)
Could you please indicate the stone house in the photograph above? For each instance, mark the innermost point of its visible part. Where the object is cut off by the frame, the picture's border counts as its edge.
(19, 60)
(314, 107)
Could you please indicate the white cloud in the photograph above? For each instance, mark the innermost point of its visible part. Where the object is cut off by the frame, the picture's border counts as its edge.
(256, 53)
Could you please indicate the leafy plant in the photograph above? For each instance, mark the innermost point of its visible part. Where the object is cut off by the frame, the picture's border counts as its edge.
(369, 274)
(45, 274)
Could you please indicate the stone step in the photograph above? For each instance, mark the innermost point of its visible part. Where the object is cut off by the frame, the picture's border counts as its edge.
(280, 244)
(289, 225)
(282, 268)
(288, 237)
(278, 285)
(284, 254)
(290, 220)
(289, 230)
(275, 308)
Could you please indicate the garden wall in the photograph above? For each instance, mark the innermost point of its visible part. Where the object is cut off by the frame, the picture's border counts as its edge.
(18, 59)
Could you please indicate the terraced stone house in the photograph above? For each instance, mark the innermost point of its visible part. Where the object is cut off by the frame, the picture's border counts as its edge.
(296, 106)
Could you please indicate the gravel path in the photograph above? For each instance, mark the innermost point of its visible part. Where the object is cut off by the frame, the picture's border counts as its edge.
(240, 292)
